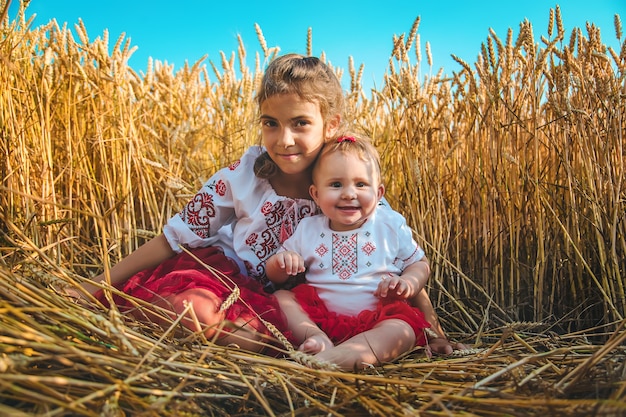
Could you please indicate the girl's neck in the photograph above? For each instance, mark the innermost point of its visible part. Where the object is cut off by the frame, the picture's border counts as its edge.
(293, 185)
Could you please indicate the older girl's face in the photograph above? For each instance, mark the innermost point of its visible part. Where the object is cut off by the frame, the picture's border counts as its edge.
(294, 131)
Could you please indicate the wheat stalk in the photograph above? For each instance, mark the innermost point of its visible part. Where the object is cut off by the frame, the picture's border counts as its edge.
(510, 171)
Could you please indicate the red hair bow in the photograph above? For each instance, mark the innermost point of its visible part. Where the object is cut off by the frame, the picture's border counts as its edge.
(345, 139)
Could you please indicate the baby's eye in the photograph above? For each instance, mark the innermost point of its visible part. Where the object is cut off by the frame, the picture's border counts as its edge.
(335, 184)
(361, 184)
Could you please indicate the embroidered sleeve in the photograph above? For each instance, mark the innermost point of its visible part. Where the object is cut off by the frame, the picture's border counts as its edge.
(206, 212)
(209, 207)
(409, 250)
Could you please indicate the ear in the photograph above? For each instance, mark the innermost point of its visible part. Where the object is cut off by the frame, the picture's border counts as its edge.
(381, 191)
(313, 192)
(333, 125)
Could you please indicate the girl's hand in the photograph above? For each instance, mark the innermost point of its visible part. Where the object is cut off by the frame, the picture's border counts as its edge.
(290, 262)
(72, 293)
(443, 346)
(77, 295)
(394, 286)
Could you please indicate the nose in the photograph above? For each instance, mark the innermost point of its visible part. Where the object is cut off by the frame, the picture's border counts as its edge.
(348, 192)
(286, 138)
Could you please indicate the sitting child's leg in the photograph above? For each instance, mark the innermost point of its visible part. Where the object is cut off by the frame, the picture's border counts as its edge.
(383, 343)
(316, 343)
(206, 307)
(306, 333)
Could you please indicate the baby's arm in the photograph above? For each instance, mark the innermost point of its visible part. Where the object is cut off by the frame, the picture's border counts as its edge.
(282, 265)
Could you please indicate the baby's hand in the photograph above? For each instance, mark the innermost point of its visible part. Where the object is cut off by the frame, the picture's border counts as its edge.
(291, 262)
(393, 285)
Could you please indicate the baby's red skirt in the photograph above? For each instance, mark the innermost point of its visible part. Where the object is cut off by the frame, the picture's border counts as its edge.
(183, 272)
(341, 327)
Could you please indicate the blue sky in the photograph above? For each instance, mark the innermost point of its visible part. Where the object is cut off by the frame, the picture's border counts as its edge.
(178, 31)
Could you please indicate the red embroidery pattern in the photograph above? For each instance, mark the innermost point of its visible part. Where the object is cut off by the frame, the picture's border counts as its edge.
(220, 188)
(368, 248)
(345, 255)
(321, 250)
(264, 243)
(267, 240)
(197, 213)
(234, 165)
(417, 248)
(267, 208)
(402, 262)
(251, 239)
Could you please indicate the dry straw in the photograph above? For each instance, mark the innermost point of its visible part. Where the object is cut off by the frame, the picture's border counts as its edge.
(510, 171)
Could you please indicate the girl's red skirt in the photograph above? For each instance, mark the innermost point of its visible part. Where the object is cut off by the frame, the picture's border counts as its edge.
(183, 272)
(340, 327)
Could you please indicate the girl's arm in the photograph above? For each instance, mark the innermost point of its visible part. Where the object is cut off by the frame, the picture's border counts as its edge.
(422, 301)
(439, 344)
(149, 255)
(418, 274)
(215, 200)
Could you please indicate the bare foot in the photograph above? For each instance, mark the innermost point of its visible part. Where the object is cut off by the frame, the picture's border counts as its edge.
(316, 344)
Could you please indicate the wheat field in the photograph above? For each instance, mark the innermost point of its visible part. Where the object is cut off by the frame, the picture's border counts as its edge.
(510, 171)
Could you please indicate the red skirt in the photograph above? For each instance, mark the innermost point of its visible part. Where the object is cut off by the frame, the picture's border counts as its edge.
(341, 327)
(182, 272)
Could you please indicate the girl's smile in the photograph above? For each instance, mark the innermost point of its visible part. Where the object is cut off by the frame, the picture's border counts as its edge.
(293, 132)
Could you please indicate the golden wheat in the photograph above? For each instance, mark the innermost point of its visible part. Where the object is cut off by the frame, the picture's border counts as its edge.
(510, 171)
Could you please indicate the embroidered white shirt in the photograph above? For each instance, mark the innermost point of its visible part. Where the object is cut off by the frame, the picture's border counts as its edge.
(241, 213)
(346, 267)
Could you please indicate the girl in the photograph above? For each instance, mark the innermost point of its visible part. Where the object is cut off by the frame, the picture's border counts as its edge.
(243, 213)
(355, 252)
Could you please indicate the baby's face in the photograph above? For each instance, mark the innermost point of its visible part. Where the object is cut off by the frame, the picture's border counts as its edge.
(347, 189)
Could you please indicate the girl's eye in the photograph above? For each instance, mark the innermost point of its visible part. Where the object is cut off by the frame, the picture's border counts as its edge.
(335, 184)
(301, 123)
(361, 184)
(268, 123)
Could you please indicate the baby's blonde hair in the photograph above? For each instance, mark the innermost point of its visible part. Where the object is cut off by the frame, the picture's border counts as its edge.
(350, 142)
